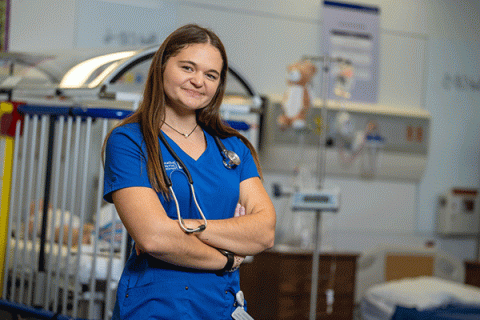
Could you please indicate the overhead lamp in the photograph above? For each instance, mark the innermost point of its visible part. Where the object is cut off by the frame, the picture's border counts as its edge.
(78, 75)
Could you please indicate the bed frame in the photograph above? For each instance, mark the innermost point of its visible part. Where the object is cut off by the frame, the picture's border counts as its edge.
(388, 263)
(57, 168)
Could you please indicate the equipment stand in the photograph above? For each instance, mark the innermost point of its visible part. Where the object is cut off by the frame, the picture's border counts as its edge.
(315, 267)
(321, 170)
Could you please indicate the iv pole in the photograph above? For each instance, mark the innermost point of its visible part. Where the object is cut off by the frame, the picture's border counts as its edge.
(321, 164)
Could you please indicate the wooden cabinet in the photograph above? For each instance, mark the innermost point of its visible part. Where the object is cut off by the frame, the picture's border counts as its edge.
(472, 273)
(277, 285)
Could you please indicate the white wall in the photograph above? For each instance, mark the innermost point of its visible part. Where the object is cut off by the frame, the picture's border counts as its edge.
(421, 40)
(35, 25)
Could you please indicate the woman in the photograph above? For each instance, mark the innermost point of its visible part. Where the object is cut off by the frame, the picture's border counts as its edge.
(175, 273)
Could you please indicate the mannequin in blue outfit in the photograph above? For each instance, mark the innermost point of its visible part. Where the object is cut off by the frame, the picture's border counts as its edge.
(173, 274)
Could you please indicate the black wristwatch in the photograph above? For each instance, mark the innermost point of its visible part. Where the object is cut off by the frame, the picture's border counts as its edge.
(230, 260)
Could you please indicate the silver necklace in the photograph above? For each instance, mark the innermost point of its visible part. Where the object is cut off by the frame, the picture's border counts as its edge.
(186, 135)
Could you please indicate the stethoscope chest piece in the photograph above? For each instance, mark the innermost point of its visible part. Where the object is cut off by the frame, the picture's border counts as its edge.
(230, 159)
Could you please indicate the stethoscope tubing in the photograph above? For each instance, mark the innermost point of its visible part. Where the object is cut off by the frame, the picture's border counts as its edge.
(180, 219)
(169, 183)
(230, 161)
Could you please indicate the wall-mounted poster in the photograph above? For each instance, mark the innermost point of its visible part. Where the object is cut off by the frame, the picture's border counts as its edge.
(4, 15)
(351, 32)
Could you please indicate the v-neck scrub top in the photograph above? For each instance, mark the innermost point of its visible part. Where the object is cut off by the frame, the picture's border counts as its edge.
(153, 289)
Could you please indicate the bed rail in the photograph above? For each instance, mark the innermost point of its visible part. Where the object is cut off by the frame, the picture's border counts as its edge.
(56, 211)
(20, 311)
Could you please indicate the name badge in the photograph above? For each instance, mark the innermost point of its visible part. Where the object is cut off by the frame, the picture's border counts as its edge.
(240, 313)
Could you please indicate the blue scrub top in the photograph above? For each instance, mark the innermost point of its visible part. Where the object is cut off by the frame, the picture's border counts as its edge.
(150, 288)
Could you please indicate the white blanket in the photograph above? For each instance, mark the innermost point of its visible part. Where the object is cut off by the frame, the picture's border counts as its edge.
(422, 293)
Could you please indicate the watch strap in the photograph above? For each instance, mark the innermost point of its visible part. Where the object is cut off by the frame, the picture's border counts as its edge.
(230, 260)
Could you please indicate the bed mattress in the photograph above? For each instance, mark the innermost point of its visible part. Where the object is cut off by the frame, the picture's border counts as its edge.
(68, 262)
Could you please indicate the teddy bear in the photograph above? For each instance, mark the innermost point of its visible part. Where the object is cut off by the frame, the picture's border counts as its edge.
(297, 99)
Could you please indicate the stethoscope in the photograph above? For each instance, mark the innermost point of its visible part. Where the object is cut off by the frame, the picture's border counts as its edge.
(230, 161)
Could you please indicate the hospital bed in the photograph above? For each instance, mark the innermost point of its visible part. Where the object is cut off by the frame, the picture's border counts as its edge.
(413, 283)
(65, 256)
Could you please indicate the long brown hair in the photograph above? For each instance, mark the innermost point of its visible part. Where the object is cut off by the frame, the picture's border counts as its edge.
(151, 111)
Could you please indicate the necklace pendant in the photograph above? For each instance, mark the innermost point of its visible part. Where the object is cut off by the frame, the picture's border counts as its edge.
(186, 135)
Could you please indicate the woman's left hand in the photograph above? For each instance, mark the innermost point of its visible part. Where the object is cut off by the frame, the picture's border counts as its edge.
(239, 211)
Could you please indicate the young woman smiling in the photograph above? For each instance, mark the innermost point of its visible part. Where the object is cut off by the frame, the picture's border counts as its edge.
(185, 268)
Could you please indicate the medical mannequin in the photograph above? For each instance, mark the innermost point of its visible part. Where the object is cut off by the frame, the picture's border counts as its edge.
(174, 274)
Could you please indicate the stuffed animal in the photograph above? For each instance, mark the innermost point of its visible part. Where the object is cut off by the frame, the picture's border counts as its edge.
(297, 99)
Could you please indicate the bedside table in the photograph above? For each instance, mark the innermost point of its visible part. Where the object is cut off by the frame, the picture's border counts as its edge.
(472, 273)
(277, 285)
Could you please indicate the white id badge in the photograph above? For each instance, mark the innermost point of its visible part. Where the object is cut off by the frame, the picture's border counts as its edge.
(241, 314)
